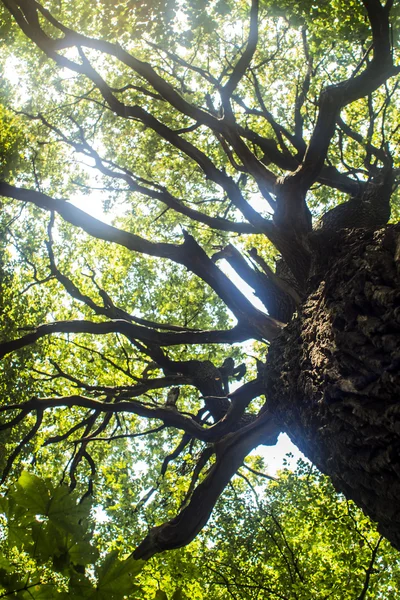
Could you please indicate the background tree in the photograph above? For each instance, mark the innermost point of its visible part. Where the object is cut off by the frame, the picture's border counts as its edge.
(286, 538)
(219, 132)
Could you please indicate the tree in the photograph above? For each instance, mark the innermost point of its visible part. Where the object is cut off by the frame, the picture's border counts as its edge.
(242, 136)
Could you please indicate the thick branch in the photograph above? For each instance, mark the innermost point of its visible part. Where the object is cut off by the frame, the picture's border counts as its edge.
(168, 416)
(189, 254)
(244, 61)
(335, 97)
(92, 226)
(329, 175)
(245, 311)
(108, 309)
(26, 16)
(156, 192)
(130, 330)
(231, 452)
(25, 13)
(301, 96)
(261, 284)
(240, 400)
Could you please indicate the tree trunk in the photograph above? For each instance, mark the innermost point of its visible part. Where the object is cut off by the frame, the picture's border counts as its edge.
(333, 376)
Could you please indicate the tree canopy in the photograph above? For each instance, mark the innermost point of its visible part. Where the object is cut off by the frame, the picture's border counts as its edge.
(156, 157)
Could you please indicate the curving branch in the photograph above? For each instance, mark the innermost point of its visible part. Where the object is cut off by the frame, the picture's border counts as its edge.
(169, 417)
(109, 309)
(27, 438)
(136, 184)
(301, 94)
(223, 422)
(26, 14)
(240, 400)
(244, 61)
(230, 452)
(129, 330)
(379, 153)
(276, 295)
(143, 385)
(370, 570)
(335, 97)
(292, 215)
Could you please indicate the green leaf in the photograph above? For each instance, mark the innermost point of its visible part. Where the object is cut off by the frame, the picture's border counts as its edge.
(115, 577)
(83, 553)
(31, 493)
(4, 505)
(19, 535)
(5, 564)
(79, 587)
(66, 513)
(41, 591)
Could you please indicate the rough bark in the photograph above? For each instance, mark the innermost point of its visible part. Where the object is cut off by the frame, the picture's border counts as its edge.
(333, 374)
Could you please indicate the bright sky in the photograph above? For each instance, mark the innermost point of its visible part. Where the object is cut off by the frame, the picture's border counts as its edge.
(275, 455)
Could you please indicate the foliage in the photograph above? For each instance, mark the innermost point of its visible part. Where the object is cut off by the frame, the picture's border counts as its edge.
(47, 546)
(298, 539)
(292, 537)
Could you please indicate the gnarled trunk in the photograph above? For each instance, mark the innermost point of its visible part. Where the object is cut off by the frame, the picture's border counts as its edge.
(333, 375)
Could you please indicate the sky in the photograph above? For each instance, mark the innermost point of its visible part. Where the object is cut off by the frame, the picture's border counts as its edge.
(274, 456)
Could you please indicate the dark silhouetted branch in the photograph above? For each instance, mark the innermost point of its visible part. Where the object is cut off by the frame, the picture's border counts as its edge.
(186, 525)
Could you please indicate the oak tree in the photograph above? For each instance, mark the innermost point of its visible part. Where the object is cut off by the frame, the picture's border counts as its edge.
(230, 142)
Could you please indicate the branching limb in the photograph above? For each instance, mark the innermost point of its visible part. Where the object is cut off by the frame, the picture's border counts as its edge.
(329, 175)
(190, 254)
(302, 94)
(244, 61)
(278, 296)
(335, 97)
(169, 417)
(231, 452)
(151, 190)
(370, 569)
(178, 450)
(292, 216)
(379, 153)
(129, 330)
(240, 400)
(25, 13)
(209, 380)
(29, 436)
(202, 461)
(108, 309)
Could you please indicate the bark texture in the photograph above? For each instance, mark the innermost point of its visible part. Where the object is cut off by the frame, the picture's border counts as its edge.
(333, 375)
